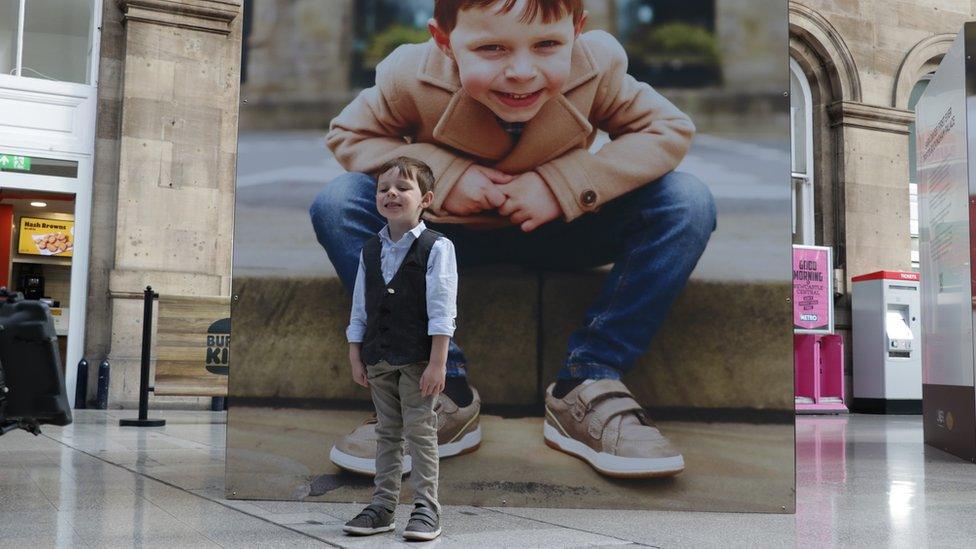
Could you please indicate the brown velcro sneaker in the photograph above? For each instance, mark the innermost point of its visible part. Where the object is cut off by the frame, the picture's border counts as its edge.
(601, 423)
(458, 432)
(458, 428)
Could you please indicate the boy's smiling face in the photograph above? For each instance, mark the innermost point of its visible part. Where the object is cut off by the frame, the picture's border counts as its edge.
(399, 198)
(511, 66)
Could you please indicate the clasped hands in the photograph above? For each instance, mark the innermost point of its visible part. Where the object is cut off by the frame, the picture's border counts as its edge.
(524, 199)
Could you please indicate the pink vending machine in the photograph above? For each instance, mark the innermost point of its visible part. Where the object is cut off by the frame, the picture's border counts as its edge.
(818, 353)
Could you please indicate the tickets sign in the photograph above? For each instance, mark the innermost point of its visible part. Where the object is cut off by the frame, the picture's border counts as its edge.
(813, 290)
(50, 237)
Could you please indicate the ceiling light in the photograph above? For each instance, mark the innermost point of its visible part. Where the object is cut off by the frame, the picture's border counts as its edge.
(39, 204)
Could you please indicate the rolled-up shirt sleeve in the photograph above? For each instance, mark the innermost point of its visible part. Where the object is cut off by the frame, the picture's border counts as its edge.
(442, 284)
(357, 318)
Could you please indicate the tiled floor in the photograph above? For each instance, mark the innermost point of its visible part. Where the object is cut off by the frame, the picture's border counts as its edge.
(862, 481)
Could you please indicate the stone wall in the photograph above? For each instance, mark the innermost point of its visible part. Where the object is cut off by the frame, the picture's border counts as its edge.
(880, 34)
(873, 52)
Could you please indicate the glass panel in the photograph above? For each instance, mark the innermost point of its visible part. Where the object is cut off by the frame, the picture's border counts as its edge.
(912, 100)
(913, 209)
(8, 35)
(57, 40)
(799, 210)
(798, 126)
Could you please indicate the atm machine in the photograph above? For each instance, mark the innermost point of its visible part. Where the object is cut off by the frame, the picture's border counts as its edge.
(887, 355)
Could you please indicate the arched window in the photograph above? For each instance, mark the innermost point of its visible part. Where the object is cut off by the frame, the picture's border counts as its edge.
(913, 98)
(801, 155)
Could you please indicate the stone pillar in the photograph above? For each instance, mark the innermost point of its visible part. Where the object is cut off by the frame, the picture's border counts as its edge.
(299, 62)
(745, 29)
(871, 156)
(180, 85)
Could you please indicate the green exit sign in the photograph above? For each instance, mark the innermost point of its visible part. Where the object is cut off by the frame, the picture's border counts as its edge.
(9, 162)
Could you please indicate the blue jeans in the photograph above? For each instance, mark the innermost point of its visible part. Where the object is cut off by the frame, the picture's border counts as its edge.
(653, 235)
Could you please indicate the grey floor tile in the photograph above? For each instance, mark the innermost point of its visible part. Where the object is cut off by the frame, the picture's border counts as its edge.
(153, 540)
(208, 515)
(19, 524)
(13, 475)
(144, 519)
(52, 540)
(670, 528)
(212, 492)
(246, 507)
(304, 518)
(190, 480)
(305, 506)
(104, 503)
(259, 536)
(546, 537)
(23, 497)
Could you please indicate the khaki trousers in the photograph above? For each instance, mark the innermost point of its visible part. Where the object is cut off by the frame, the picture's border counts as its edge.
(403, 412)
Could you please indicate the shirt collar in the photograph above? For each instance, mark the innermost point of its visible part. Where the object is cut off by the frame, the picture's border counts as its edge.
(414, 232)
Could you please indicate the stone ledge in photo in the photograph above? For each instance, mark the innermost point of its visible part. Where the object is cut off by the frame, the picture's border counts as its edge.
(723, 344)
(289, 337)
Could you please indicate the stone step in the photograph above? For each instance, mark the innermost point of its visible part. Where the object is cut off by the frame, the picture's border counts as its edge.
(724, 345)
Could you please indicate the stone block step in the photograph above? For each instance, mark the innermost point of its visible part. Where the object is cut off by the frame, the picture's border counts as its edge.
(725, 345)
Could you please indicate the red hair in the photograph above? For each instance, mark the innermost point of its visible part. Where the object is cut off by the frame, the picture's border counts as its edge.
(446, 11)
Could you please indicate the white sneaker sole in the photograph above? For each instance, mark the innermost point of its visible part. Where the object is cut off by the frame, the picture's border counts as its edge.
(611, 465)
(367, 466)
(421, 536)
(368, 531)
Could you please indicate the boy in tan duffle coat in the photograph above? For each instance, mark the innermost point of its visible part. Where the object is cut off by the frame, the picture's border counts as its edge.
(503, 104)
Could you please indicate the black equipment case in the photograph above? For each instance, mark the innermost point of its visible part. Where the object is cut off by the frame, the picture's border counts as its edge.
(32, 388)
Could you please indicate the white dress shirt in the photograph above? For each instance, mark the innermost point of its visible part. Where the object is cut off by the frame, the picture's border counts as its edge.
(442, 281)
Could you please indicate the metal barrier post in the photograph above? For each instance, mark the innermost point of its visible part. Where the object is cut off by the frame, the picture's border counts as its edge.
(143, 421)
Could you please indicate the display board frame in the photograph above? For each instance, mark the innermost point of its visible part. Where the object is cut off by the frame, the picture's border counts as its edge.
(816, 289)
(946, 153)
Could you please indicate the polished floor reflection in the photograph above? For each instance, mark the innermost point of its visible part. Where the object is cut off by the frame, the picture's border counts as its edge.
(862, 481)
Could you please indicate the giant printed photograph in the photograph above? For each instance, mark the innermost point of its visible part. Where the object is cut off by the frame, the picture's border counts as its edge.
(614, 176)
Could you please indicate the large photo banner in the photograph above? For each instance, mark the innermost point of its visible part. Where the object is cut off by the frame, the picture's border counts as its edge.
(614, 176)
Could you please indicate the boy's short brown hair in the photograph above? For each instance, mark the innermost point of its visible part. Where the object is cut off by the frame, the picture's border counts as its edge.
(446, 11)
(410, 168)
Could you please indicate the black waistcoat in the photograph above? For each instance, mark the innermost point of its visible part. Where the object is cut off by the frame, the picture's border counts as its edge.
(396, 313)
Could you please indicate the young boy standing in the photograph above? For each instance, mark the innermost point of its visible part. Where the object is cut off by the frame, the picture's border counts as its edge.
(504, 103)
(403, 317)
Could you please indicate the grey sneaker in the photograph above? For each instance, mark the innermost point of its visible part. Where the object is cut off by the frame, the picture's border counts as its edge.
(424, 524)
(374, 519)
